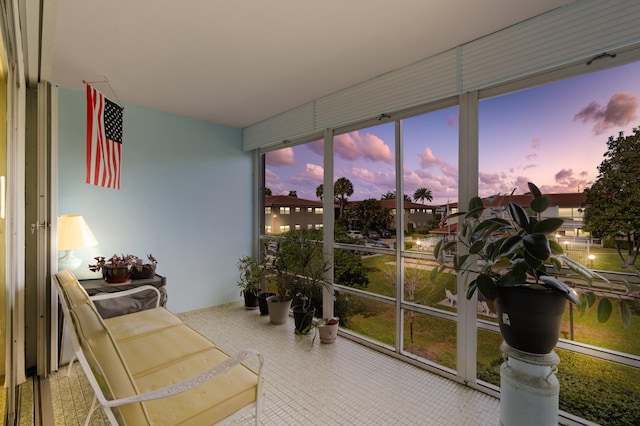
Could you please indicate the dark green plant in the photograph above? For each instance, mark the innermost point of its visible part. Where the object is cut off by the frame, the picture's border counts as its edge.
(252, 274)
(517, 252)
(299, 263)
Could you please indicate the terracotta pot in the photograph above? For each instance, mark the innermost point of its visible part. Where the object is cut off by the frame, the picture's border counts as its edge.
(117, 274)
(530, 318)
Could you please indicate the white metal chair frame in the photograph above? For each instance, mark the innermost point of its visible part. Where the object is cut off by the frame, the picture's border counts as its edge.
(174, 389)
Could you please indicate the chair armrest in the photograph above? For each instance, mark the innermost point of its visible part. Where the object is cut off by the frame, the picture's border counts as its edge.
(195, 381)
(103, 296)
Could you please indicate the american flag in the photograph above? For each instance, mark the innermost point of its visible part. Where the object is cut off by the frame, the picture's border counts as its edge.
(104, 140)
(443, 219)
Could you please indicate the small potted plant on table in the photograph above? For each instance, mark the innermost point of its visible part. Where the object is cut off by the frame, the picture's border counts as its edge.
(117, 269)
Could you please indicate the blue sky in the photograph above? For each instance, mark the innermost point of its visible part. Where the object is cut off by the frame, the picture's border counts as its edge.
(553, 135)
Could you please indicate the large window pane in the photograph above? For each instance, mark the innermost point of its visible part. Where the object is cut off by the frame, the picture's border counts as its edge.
(364, 176)
(291, 178)
(556, 136)
(430, 176)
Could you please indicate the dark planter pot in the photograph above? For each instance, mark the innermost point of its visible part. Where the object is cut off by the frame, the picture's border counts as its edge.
(530, 318)
(303, 320)
(250, 300)
(116, 275)
(262, 303)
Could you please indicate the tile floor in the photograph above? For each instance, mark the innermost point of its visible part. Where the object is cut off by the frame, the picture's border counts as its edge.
(308, 383)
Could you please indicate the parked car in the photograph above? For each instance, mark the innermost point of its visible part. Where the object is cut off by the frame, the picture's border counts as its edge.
(374, 235)
(354, 233)
(384, 233)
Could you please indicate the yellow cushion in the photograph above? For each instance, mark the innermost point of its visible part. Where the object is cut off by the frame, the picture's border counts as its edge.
(139, 323)
(209, 403)
(105, 361)
(73, 292)
(156, 350)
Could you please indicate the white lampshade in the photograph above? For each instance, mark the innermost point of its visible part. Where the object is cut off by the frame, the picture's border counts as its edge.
(73, 234)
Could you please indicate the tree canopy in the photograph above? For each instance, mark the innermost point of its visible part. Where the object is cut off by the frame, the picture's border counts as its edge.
(342, 189)
(423, 194)
(613, 201)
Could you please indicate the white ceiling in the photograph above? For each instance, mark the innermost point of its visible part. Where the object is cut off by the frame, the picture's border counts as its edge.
(237, 62)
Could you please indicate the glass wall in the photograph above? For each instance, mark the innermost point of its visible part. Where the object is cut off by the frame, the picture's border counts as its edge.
(396, 184)
(556, 136)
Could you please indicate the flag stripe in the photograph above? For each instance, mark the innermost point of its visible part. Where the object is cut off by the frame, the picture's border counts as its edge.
(104, 140)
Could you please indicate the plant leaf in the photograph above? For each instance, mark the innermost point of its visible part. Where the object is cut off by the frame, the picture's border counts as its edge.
(557, 265)
(548, 226)
(534, 190)
(509, 245)
(487, 286)
(519, 215)
(557, 285)
(539, 204)
(555, 247)
(476, 203)
(537, 245)
(604, 309)
(471, 289)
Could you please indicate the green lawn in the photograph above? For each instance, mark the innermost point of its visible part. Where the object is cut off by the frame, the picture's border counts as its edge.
(600, 391)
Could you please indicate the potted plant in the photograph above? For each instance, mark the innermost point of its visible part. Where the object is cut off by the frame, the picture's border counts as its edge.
(252, 274)
(514, 262)
(328, 329)
(307, 263)
(148, 269)
(299, 268)
(117, 269)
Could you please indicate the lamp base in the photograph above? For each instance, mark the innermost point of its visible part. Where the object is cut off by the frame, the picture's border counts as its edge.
(69, 261)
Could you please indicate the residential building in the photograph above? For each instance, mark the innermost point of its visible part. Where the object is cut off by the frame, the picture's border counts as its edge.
(284, 213)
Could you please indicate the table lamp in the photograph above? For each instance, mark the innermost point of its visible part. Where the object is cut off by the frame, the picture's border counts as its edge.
(73, 234)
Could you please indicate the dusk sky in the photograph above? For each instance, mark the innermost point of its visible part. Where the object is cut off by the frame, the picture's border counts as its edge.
(554, 135)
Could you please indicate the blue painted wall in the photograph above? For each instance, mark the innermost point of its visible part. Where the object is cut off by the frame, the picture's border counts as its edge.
(185, 197)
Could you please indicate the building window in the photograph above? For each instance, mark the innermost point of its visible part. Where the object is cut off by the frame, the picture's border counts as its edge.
(309, 226)
(285, 210)
(267, 229)
(297, 226)
(318, 210)
(267, 210)
(297, 209)
(284, 228)
(309, 209)
(318, 226)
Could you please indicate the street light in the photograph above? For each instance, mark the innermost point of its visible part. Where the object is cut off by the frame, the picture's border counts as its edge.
(591, 257)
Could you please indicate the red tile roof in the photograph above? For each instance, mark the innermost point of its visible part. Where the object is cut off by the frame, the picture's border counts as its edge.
(289, 201)
(569, 199)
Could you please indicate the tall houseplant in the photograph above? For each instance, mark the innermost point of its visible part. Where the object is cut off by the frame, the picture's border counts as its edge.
(298, 269)
(252, 274)
(514, 263)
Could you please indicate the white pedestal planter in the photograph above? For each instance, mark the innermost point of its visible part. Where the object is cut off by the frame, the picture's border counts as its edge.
(529, 388)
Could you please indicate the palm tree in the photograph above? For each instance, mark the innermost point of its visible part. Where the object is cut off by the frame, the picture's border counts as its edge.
(342, 189)
(423, 194)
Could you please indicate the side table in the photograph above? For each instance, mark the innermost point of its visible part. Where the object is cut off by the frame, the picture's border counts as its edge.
(127, 304)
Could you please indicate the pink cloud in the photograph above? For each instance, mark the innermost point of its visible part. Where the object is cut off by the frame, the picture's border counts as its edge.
(619, 111)
(281, 157)
(428, 159)
(354, 145)
(314, 172)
